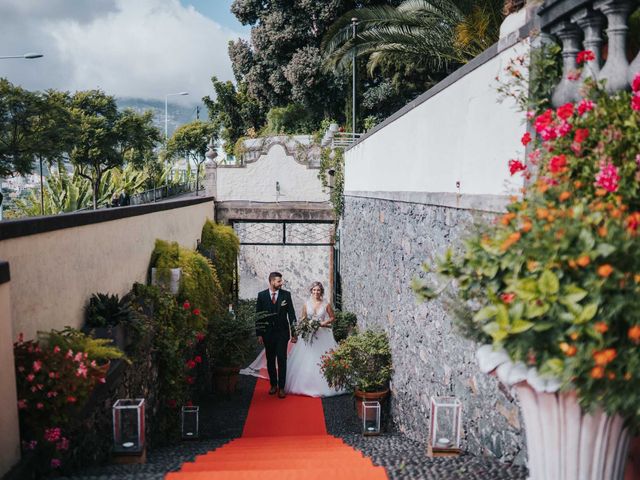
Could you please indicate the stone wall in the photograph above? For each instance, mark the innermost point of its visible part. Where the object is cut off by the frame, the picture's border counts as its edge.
(384, 244)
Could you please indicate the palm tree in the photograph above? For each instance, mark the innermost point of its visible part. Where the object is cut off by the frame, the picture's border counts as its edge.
(433, 34)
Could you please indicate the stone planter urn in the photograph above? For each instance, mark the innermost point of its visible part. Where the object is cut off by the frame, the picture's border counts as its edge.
(361, 396)
(563, 441)
(168, 278)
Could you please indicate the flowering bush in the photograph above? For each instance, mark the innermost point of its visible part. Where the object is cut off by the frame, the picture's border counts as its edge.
(362, 361)
(52, 382)
(556, 280)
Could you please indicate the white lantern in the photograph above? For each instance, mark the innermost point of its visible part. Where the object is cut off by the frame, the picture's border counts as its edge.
(190, 422)
(446, 426)
(128, 426)
(371, 418)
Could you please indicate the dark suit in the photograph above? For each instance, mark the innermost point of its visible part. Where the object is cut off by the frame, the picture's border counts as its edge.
(275, 328)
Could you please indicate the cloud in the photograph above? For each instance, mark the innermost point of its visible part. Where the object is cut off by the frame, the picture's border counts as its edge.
(141, 48)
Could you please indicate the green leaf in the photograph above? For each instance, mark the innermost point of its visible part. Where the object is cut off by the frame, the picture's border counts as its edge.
(548, 283)
(526, 289)
(588, 312)
(534, 310)
(502, 316)
(586, 239)
(495, 331)
(516, 311)
(485, 314)
(543, 326)
(605, 249)
(573, 294)
(554, 366)
(520, 326)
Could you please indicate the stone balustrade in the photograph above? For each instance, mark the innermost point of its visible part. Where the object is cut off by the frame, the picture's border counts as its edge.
(580, 25)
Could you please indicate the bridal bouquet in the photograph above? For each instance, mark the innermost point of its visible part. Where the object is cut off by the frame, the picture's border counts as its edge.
(307, 328)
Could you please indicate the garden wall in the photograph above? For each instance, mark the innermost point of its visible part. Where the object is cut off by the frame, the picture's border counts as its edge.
(58, 262)
(414, 186)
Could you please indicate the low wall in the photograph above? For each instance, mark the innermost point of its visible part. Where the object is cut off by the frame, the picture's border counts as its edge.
(10, 437)
(58, 262)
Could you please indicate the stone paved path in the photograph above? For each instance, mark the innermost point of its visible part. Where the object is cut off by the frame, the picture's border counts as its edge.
(222, 419)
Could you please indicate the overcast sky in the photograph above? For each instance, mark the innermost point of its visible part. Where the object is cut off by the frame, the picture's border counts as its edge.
(128, 48)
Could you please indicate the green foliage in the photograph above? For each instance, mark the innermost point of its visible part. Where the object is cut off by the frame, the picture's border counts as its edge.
(190, 141)
(344, 324)
(232, 338)
(333, 161)
(555, 280)
(290, 119)
(98, 349)
(199, 283)
(221, 244)
(105, 310)
(362, 361)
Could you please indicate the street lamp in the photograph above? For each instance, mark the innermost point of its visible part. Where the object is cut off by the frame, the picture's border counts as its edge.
(28, 56)
(354, 25)
(166, 99)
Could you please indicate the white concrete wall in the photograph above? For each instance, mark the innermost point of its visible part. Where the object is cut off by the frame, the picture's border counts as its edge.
(462, 134)
(256, 181)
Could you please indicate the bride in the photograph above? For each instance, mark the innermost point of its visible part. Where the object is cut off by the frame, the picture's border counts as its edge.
(303, 363)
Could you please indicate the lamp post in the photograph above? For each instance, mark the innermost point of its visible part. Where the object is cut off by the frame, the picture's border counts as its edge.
(166, 127)
(354, 25)
(28, 56)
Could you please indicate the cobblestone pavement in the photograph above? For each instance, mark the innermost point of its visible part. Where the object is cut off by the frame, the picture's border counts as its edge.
(404, 458)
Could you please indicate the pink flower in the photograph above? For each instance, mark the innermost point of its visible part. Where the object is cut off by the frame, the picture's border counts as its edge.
(33, 444)
(565, 111)
(573, 76)
(608, 177)
(30, 377)
(557, 164)
(508, 297)
(37, 366)
(638, 160)
(543, 120)
(526, 139)
(52, 374)
(52, 434)
(530, 114)
(516, 166)
(585, 56)
(52, 394)
(534, 157)
(585, 106)
(79, 357)
(564, 129)
(21, 369)
(635, 101)
(71, 399)
(69, 354)
(635, 85)
(548, 133)
(82, 371)
(198, 359)
(56, 349)
(22, 404)
(39, 406)
(63, 444)
(55, 463)
(550, 181)
(102, 380)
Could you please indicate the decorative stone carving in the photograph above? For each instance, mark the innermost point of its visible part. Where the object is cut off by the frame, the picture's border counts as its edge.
(591, 24)
(616, 69)
(567, 89)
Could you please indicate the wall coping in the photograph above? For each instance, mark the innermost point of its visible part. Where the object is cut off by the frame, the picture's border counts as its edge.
(35, 225)
(482, 203)
(490, 53)
(5, 276)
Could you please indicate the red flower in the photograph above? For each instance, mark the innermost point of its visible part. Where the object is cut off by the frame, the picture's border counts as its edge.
(635, 85)
(585, 106)
(526, 139)
(585, 56)
(186, 305)
(633, 222)
(581, 135)
(52, 434)
(22, 404)
(191, 364)
(516, 166)
(200, 336)
(565, 111)
(196, 311)
(635, 101)
(544, 120)
(557, 164)
(564, 129)
(191, 380)
(31, 377)
(71, 399)
(508, 297)
(198, 359)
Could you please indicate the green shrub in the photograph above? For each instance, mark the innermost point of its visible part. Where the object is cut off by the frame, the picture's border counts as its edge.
(98, 349)
(221, 245)
(344, 324)
(106, 310)
(232, 338)
(199, 283)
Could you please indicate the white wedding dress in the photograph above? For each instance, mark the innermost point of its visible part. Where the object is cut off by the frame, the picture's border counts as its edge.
(303, 360)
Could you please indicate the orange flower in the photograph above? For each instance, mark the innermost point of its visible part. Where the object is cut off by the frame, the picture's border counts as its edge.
(605, 270)
(602, 231)
(574, 336)
(564, 196)
(583, 261)
(601, 327)
(604, 357)
(577, 184)
(627, 376)
(507, 217)
(601, 192)
(611, 376)
(526, 227)
(636, 278)
(572, 263)
(597, 373)
(511, 239)
(532, 265)
(616, 213)
(634, 334)
(542, 213)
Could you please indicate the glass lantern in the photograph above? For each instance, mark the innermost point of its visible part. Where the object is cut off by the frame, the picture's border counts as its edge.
(190, 422)
(128, 426)
(446, 424)
(371, 418)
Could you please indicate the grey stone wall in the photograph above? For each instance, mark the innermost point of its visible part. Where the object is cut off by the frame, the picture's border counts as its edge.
(383, 245)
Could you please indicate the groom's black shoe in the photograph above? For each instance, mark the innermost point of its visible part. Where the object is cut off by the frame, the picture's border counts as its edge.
(273, 390)
(281, 393)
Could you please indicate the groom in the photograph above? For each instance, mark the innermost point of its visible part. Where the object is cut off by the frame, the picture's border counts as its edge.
(273, 331)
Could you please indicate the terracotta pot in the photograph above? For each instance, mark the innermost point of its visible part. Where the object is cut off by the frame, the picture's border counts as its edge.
(226, 379)
(361, 396)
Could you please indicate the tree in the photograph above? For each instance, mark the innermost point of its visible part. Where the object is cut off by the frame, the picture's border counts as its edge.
(191, 141)
(17, 110)
(137, 137)
(435, 34)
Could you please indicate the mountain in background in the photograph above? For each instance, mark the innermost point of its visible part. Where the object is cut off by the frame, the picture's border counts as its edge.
(177, 114)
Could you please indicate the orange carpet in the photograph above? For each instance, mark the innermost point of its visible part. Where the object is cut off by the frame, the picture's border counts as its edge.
(284, 440)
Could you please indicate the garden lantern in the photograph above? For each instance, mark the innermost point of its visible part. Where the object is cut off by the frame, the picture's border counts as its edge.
(371, 418)
(128, 426)
(446, 425)
(190, 421)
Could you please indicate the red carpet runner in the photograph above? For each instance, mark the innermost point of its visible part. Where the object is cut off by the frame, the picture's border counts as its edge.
(284, 440)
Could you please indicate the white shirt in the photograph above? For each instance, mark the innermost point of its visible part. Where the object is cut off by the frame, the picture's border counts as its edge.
(271, 292)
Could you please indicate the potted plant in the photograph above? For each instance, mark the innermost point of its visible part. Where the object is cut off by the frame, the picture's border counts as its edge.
(362, 363)
(553, 288)
(231, 342)
(106, 317)
(344, 324)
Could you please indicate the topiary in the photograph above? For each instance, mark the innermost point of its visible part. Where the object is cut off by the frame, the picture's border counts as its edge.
(343, 325)
(106, 310)
(221, 245)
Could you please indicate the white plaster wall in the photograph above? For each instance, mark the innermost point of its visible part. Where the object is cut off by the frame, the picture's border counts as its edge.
(463, 134)
(256, 181)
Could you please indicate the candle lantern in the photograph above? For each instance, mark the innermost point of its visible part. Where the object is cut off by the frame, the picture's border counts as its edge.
(190, 422)
(446, 425)
(128, 426)
(371, 418)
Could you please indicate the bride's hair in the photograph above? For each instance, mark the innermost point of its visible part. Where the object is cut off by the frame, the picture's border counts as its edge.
(319, 285)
